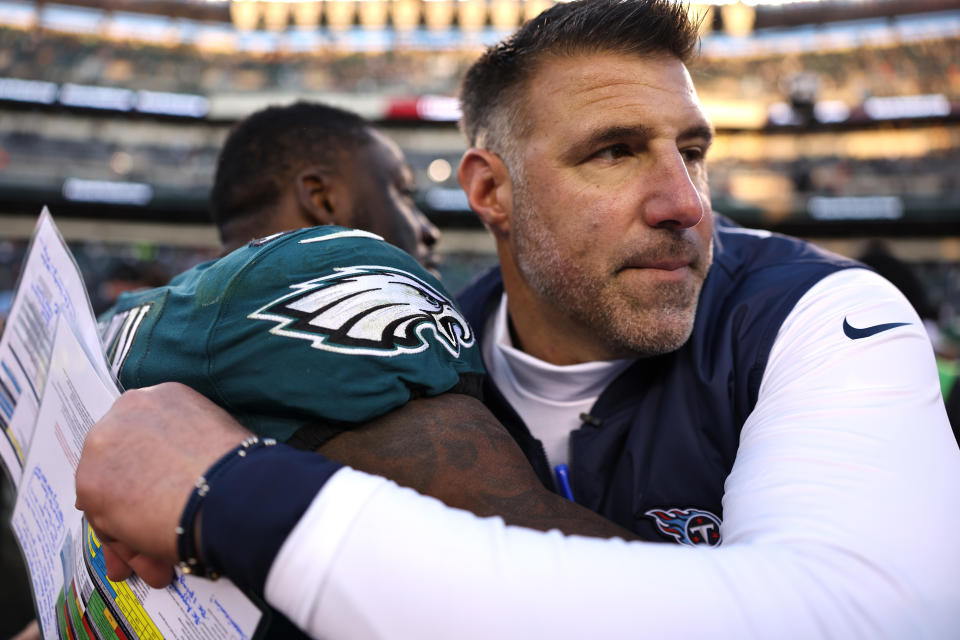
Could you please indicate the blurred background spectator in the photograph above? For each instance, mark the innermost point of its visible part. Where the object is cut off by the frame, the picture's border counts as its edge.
(127, 275)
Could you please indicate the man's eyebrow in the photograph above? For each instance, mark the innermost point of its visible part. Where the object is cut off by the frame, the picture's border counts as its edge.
(607, 135)
(617, 133)
(636, 132)
(703, 131)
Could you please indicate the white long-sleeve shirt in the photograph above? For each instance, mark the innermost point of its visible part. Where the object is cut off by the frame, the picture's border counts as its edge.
(840, 520)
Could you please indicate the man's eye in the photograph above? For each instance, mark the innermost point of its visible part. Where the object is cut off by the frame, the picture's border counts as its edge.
(693, 154)
(613, 152)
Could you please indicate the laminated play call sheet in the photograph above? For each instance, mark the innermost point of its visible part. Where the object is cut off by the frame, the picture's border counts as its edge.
(54, 384)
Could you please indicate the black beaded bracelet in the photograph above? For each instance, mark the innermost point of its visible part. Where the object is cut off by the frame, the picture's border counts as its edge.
(190, 561)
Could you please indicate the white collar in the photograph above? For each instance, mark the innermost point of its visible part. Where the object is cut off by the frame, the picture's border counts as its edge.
(556, 383)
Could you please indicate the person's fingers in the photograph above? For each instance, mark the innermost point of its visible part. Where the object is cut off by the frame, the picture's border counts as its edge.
(116, 556)
(156, 573)
(140, 462)
(101, 536)
(122, 562)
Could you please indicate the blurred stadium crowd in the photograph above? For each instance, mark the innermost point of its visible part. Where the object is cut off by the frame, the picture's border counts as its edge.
(837, 130)
(842, 126)
(820, 126)
(68, 58)
(928, 66)
(786, 88)
(832, 128)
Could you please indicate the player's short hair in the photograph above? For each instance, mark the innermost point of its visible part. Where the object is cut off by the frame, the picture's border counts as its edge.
(264, 151)
(492, 91)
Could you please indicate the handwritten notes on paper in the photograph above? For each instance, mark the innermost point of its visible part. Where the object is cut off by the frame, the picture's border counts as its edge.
(54, 384)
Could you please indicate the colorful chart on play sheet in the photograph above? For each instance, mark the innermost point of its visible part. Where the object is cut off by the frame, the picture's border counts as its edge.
(50, 286)
(91, 606)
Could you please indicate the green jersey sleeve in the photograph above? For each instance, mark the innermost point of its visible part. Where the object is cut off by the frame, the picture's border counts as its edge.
(309, 333)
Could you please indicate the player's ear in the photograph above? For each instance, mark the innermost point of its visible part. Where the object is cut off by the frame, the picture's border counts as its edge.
(318, 196)
(485, 179)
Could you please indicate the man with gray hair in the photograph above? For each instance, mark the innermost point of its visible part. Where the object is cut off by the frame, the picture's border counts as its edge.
(772, 408)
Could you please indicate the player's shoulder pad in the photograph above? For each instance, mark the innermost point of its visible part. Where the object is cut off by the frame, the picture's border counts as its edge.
(341, 290)
(327, 246)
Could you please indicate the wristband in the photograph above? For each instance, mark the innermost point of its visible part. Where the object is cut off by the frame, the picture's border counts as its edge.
(190, 561)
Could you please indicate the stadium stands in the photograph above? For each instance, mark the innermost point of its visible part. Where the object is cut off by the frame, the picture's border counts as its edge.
(832, 122)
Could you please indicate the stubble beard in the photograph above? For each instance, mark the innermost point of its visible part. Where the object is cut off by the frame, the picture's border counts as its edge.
(627, 323)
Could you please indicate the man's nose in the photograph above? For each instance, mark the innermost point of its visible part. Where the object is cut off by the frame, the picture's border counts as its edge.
(674, 201)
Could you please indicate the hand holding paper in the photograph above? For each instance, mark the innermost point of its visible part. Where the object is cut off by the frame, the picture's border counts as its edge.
(57, 384)
(161, 460)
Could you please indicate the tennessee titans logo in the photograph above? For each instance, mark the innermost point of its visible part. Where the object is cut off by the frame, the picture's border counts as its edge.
(368, 310)
(688, 526)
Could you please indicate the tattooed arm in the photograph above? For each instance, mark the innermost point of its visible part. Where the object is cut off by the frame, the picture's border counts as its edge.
(452, 448)
(141, 460)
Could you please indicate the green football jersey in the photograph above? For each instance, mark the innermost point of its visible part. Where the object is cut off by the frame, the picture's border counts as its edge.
(308, 332)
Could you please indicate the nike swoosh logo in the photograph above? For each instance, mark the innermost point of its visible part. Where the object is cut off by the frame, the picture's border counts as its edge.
(855, 334)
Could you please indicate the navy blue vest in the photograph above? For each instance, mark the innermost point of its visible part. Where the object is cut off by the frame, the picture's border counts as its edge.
(662, 437)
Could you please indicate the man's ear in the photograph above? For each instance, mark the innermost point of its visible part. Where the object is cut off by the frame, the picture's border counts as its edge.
(318, 195)
(486, 181)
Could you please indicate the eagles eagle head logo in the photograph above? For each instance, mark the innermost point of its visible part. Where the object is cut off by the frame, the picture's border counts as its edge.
(368, 310)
